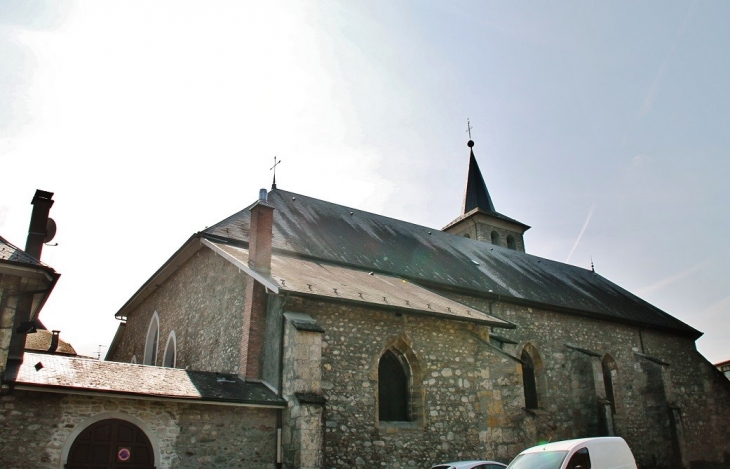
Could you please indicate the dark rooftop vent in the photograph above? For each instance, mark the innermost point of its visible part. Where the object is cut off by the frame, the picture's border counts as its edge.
(54, 341)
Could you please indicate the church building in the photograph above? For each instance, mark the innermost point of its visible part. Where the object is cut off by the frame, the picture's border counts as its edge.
(299, 333)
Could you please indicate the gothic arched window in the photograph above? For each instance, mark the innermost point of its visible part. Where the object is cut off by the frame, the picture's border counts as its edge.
(153, 336)
(532, 377)
(495, 238)
(170, 357)
(393, 388)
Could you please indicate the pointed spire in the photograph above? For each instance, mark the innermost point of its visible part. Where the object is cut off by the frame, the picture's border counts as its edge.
(476, 195)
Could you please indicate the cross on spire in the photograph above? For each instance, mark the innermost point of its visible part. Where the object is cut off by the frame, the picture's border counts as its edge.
(276, 163)
(468, 127)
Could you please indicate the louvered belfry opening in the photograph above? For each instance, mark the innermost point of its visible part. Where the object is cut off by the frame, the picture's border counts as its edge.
(393, 392)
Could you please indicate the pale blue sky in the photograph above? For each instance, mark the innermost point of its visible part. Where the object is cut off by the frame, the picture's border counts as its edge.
(152, 120)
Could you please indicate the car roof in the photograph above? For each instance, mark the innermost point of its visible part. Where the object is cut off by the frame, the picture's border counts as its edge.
(568, 445)
(458, 464)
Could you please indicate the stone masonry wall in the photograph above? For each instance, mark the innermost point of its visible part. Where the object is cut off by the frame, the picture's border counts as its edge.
(485, 234)
(642, 412)
(473, 396)
(36, 427)
(203, 304)
(302, 429)
(702, 395)
(467, 390)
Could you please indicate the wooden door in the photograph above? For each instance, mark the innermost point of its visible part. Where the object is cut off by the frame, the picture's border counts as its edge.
(111, 444)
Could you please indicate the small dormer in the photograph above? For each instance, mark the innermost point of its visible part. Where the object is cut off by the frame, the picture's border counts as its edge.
(479, 220)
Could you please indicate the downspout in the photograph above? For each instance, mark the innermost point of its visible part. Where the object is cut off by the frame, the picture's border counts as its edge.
(492, 302)
(641, 341)
(280, 412)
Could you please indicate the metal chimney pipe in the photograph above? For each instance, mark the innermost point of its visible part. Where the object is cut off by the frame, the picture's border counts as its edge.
(42, 202)
(54, 341)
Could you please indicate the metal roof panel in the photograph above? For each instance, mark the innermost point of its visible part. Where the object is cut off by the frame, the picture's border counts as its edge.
(320, 230)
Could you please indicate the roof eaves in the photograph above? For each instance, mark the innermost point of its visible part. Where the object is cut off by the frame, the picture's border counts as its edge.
(278, 403)
(115, 341)
(261, 278)
(691, 332)
(478, 210)
(165, 271)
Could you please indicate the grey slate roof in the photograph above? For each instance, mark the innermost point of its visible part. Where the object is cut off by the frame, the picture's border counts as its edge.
(10, 252)
(74, 374)
(476, 194)
(310, 228)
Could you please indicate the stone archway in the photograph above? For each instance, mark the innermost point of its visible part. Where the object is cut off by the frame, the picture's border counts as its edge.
(111, 444)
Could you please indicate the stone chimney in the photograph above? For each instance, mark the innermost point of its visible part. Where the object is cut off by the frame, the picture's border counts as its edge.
(256, 303)
(259, 237)
(41, 229)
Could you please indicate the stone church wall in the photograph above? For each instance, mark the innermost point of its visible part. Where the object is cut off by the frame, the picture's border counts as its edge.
(701, 394)
(36, 429)
(470, 393)
(202, 302)
(484, 233)
(645, 390)
(473, 399)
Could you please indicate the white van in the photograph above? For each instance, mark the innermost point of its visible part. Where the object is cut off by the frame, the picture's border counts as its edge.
(586, 453)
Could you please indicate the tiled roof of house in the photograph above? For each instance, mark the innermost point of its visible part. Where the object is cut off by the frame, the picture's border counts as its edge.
(74, 374)
(328, 233)
(40, 341)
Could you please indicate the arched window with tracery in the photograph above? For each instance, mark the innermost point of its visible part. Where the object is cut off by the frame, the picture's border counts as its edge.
(170, 358)
(610, 372)
(151, 344)
(533, 377)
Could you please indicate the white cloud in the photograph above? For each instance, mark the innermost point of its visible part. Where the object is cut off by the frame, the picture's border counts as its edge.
(665, 282)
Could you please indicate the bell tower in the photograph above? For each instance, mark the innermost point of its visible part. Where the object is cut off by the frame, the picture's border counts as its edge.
(479, 220)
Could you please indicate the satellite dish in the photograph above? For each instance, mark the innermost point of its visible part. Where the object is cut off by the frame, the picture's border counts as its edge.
(50, 231)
